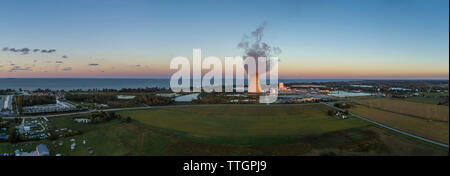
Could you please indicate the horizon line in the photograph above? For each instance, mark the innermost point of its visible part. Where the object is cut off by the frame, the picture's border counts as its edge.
(286, 78)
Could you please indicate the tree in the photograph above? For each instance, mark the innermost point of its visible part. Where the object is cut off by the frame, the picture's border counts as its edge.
(13, 137)
(346, 112)
(330, 112)
(53, 135)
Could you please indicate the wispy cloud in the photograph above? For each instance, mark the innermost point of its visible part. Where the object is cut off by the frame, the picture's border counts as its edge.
(67, 69)
(48, 51)
(93, 64)
(28, 50)
(18, 68)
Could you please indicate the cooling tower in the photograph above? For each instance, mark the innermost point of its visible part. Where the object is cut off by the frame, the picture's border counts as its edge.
(254, 87)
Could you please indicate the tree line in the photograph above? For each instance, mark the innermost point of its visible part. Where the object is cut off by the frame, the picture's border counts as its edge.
(35, 100)
(111, 99)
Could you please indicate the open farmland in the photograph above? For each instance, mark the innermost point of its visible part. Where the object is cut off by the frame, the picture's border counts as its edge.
(232, 131)
(435, 130)
(413, 109)
(434, 101)
(244, 121)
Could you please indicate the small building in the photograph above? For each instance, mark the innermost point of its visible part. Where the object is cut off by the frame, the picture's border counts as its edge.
(324, 91)
(82, 120)
(125, 97)
(42, 150)
(17, 152)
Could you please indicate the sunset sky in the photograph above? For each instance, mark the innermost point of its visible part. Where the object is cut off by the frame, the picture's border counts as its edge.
(138, 38)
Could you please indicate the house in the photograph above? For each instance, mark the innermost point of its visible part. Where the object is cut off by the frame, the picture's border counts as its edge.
(17, 153)
(42, 150)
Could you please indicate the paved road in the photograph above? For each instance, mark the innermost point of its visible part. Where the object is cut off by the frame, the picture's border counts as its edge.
(392, 129)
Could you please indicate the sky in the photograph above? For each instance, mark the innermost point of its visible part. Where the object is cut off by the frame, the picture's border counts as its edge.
(388, 39)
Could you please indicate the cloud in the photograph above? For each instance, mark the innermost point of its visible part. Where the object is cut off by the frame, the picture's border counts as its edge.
(25, 50)
(18, 68)
(28, 50)
(67, 69)
(48, 51)
(65, 57)
(59, 62)
(93, 64)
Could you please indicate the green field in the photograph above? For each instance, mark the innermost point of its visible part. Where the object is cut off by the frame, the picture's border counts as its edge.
(233, 130)
(244, 124)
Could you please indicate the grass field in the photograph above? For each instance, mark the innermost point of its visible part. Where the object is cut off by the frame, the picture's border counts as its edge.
(426, 100)
(248, 122)
(435, 130)
(414, 109)
(232, 130)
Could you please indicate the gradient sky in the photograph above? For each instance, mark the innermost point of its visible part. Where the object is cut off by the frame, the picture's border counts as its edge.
(137, 39)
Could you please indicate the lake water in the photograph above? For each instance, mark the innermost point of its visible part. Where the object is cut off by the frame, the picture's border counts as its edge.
(187, 98)
(69, 84)
(348, 94)
(106, 83)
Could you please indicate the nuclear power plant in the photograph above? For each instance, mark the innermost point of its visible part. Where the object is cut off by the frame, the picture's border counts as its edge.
(254, 87)
(254, 48)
